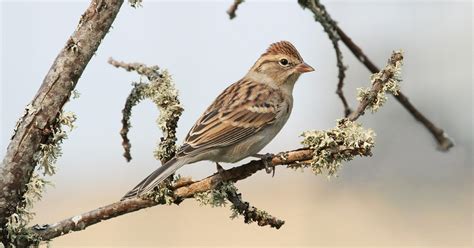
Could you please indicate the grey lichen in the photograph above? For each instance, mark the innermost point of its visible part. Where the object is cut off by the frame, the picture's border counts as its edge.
(227, 192)
(45, 158)
(258, 214)
(136, 95)
(162, 195)
(50, 151)
(392, 74)
(17, 222)
(342, 143)
(135, 3)
(250, 213)
(75, 94)
(216, 197)
(161, 90)
(164, 94)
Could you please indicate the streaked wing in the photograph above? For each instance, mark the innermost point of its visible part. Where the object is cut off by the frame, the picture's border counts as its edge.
(237, 113)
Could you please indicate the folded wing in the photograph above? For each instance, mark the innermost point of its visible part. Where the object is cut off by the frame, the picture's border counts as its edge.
(239, 112)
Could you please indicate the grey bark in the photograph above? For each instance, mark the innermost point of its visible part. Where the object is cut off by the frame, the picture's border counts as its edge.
(34, 127)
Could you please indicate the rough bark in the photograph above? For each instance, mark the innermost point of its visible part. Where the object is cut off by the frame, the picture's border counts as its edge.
(35, 126)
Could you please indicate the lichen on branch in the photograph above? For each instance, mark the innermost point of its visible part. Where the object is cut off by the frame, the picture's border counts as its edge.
(349, 139)
(45, 158)
(50, 151)
(16, 225)
(227, 192)
(341, 143)
(391, 77)
(161, 90)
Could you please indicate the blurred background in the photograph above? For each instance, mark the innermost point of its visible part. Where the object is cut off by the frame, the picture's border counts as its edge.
(407, 194)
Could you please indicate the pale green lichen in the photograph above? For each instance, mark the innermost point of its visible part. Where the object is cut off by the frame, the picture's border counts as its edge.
(162, 92)
(216, 197)
(135, 3)
(45, 158)
(391, 75)
(162, 195)
(75, 94)
(342, 143)
(50, 151)
(227, 192)
(17, 222)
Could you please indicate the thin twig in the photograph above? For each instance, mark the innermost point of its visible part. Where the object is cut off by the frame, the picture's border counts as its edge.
(151, 72)
(132, 100)
(323, 17)
(444, 142)
(252, 214)
(233, 8)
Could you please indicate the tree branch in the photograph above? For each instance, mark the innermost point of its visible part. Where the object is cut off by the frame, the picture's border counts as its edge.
(187, 188)
(161, 91)
(180, 192)
(321, 15)
(250, 213)
(34, 127)
(233, 8)
(444, 142)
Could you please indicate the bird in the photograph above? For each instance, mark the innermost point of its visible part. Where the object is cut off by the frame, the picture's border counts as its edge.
(243, 119)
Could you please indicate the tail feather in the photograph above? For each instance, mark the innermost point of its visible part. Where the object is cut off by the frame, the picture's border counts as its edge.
(155, 178)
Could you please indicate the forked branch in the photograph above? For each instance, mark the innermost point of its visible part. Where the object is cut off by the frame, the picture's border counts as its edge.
(322, 16)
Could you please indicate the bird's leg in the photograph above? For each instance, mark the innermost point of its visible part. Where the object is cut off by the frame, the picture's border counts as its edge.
(267, 161)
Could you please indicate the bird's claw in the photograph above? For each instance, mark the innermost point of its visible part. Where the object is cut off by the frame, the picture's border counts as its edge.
(267, 161)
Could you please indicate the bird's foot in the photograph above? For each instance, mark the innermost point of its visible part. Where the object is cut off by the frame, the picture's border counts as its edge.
(267, 161)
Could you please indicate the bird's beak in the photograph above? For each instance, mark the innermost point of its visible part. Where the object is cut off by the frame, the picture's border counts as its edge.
(303, 68)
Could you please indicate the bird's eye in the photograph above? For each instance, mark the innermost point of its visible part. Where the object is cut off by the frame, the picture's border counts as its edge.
(283, 62)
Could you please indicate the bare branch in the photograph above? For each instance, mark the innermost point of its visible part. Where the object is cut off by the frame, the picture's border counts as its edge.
(233, 8)
(151, 72)
(322, 16)
(34, 128)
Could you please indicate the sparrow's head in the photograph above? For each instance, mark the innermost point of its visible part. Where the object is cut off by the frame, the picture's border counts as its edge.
(281, 64)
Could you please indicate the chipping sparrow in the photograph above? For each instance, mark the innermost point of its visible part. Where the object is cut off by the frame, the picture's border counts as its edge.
(243, 119)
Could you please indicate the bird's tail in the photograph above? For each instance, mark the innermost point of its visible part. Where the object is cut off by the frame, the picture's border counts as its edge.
(155, 178)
